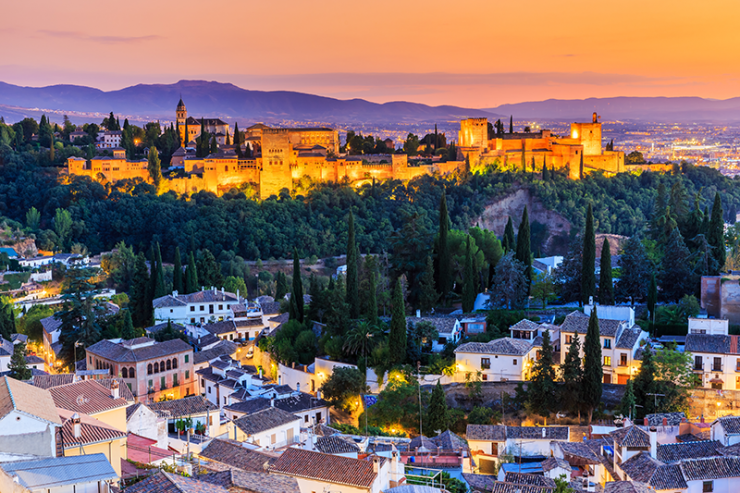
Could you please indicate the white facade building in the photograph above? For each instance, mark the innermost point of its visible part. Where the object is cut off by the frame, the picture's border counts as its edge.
(498, 360)
(195, 308)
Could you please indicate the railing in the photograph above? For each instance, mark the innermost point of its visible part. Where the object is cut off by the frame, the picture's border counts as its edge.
(717, 367)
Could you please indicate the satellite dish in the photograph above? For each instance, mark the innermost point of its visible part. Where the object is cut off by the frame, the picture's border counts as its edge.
(559, 416)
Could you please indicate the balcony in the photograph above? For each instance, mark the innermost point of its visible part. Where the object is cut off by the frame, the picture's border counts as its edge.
(717, 368)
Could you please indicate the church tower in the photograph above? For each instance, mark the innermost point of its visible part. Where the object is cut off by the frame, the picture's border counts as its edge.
(182, 116)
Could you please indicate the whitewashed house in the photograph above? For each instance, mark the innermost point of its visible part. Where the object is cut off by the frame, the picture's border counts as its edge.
(195, 308)
(498, 360)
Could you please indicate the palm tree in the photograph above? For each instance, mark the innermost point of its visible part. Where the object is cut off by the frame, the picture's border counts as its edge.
(362, 337)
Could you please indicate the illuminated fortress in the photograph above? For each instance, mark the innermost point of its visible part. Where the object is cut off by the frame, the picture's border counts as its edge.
(289, 158)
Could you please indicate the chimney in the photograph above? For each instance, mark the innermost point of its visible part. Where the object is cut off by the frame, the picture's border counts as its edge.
(702, 417)
(318, 394)
(665, 421)
(238, 300)
(418, 313)
(76, 426)
(114, 393)
(222, 290)
(272, 401)
(175, 293)
(653, 442)
(645, 421)
(280, 379)
(544, 432)
(202, 288)
(260, 372)
(376, 465)
(294, 365)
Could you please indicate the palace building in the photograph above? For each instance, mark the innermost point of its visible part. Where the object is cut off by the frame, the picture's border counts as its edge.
(580, 152)
(283, 157)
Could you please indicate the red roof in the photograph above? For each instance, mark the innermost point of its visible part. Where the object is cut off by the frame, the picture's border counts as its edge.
(143, 450)
(87, 397)
(325, 467)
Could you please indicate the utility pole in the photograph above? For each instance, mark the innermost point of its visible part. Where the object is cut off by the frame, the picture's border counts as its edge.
(655, 396)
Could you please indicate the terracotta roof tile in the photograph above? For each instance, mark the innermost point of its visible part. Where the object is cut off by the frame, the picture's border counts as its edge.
(187, 406)
(335, 444)
(252, 482)
(124, 353)
(578, 322)
(493, 433)
(264, 420)
(505, 346)
(91, 430)
(674, 452)
(233, 454)
(324, 467)
(711, 468)
(707, 343)
(164, 482)
(529, 479)
(25, 398)
(87, 397)
(631, 436)
(49, 381)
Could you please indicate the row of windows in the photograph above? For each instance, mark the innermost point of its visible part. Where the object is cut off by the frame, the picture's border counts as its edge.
(163, 381)
(163, 366)
(202, 308)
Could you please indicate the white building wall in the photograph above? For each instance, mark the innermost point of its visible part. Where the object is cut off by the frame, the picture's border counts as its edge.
(709, 326)
(502, 367)
(722, 485)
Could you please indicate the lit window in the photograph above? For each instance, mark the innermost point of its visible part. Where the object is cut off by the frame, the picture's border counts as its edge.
(607, 361)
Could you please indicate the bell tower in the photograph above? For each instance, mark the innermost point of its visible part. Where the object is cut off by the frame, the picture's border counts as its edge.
(182, 116)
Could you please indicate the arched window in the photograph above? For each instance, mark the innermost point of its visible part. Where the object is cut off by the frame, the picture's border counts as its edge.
(156, 367)
(124, 372)
(174, 363)
(97, 364)
(149, 369)
(161, 365)
(169, 365)
(131, 373)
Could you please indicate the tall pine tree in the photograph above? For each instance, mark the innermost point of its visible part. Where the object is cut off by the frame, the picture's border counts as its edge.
(191, 275)
(372, 288)
(645, 384)
(140, 298)
(572, 375)
(524, 248)
(128, 331)
(588, 269)
(397, 337)
(606, 285)
(675, 268)
(18, 366)
(470, 282)
(438, 411)
(353, 295)
(444, 260)
(154, 166)
(593, 374)
(428, 295)
(157, 274)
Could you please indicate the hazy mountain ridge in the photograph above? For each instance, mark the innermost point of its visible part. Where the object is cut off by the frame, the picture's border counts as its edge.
(684, 109)
(216, 99)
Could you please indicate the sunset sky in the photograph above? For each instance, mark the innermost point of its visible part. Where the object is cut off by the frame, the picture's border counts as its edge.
(474, 53)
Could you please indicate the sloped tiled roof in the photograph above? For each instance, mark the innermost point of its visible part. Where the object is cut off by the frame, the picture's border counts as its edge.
(578, 322)
(270, 308)
(25, 398)
(335, 444)
(125, 354)
(323, 431)
(91, 430)
(164, 482)
(207, 296)
(502, 487)
(264, 420)
(553, 462)
(504, 346)
(223, 327)
(296, 403)
(707, 343)
(123, 389)
(87, 396)
(672, 419)
(252, 482)
(54, 380)
(674, 452)
(493, 433)
(644, 468)
(628, 338)
(223, 348)
(731, 424)
(538, 432)
(525, 324)
(627, 487)
(711, 468)
(479, 482)
(51, 324)
(632, 437)
(580, 451)
(449, 441)
(187, 406)
(234, 455)
(529, 479)
(325, 467)
(421, 441)
(444, 325)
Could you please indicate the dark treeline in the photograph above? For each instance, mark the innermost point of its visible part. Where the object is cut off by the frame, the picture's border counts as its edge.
(103, 215)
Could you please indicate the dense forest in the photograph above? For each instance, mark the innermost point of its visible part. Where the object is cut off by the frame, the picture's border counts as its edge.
(315, 222)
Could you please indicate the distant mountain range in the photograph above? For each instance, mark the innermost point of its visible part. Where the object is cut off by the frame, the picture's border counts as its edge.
(681, 109)
(226, 101)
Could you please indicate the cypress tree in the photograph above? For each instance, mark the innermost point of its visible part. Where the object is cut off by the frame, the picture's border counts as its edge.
(652, 297)
(187, 136)
(51, 149)
(228, 139)
(593, 373)
(533, 165)
(128, 331)
(511, 124)
(469, 282)
(588, 275)
(572, 375)
(715, 233)
(281, 286)
(524, 248)
(675, 272)
(627, 405)
(541, 389)
(509, 242)
(606, 285)
(158, 274)
(296, 295)
(444, 267)
(438, 411)
(545, 171)
(154, 167)
(428, 295)
(397, 337)
(580, 170)
(18, 365)
(140, 300)
(214, 145)
(191, 275)
(352, 295)
(237, 140)
(372, 299)
(177, 284)
(645, 383)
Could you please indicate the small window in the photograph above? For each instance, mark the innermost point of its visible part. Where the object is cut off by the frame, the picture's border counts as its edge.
(174, 363)
(124, 372)
(174, 380)
(202, 308)
(187, 358)
(224, 400)
(623, 359)
(708, 486)
(305, 418)
(568, 339)
(192, 320)
(273, 440)
(484, 377)
(149, 369)
(485, 363)
(607, 343)
(171, 310)
(514, 362)
(209, 389)
(607, 361)
(162, 383)
(220, 307)
(169, 365)
(192, 308)
(156, 367)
